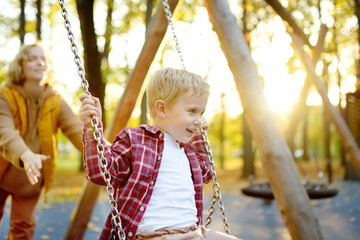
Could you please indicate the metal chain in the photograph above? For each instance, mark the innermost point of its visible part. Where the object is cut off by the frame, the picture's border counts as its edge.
(216, 186)
(177, 45)
(116, 231)
(216, 190)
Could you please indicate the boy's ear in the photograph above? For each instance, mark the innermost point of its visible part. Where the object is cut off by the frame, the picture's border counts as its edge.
(160, 108)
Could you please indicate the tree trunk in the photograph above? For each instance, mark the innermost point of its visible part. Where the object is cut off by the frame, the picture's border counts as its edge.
(327, 134)
(221, 132)
(38, 19)
(143, 117)
(248, 155)
(293, 27)
(347, 139)
(293, 201)
(357, 14)
(82, 213)
(305, 145)
(108, 31)
(339, 81)
(22, 22)
(92, 60)
(301, 106)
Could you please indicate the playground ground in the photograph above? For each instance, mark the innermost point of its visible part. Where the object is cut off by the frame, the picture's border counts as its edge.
(249, 218)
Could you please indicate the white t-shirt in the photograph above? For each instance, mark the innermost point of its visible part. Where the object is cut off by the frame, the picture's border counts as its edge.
(172, 203)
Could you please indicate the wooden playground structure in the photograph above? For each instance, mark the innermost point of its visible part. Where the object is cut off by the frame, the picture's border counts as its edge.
(276, 157)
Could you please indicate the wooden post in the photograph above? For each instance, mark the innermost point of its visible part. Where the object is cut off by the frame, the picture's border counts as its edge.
(293, 201)
(155, 34)
(286, 16)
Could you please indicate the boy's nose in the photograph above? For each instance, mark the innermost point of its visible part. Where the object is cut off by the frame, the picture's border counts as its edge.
(197, 122)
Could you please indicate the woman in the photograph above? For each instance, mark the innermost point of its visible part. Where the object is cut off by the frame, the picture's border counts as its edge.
(31, 112)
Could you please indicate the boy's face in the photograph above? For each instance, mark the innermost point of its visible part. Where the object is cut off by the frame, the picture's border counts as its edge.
(183, 118)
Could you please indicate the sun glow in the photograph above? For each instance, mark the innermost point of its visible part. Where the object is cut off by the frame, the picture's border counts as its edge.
(270, 48)
(282, 91)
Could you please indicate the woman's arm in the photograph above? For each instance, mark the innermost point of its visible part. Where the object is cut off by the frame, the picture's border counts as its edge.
(12, 144)
(71, 125)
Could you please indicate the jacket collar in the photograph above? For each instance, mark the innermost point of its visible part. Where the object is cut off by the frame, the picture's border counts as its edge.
(151, 129)
(48, 91)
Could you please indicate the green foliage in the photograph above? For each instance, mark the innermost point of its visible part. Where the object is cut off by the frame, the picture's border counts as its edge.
(68, 155)
(130, 14)
(232, 134)
(316, 135)
(2, 73)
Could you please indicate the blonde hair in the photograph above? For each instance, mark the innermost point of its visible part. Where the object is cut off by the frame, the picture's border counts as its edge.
(15, 71)
(167, 84)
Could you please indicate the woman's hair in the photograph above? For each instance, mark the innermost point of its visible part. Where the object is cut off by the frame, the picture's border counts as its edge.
(15, 72)
(167, 84)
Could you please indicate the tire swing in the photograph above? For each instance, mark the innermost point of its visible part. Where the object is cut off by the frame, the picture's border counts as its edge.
(117, 231)
(314, 190)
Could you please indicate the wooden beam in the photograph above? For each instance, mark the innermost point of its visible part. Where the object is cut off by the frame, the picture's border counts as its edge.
(293, 28)
(294, 203)
(299, 110)
(347, 139)
(81, 214)
(286, 16)
(155, 34)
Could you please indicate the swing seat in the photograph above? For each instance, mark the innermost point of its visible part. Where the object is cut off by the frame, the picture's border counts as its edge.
(314, 191)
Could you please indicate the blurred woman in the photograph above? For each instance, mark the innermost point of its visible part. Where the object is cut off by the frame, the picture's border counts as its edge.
(31, 111)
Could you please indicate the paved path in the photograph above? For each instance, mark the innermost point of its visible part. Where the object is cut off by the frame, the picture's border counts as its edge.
(249, 218)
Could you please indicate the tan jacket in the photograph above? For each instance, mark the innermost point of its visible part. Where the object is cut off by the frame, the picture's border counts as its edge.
(26, 124)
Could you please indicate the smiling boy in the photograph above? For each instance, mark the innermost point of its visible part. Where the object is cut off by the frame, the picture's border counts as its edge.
(159, 170)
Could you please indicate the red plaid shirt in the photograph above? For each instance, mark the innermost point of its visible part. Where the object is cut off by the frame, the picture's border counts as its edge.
(133, 162)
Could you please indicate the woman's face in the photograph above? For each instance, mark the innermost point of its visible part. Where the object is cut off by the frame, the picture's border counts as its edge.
(34, 65)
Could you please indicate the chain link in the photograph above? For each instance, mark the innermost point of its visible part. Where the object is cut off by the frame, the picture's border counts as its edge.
(116, 231)
(216, 190)
(216, 186)
(177, 45)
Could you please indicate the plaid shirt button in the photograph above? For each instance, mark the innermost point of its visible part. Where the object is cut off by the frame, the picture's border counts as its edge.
(142, 209)
(130, 234)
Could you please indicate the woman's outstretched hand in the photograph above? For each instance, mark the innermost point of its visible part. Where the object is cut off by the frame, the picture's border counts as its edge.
(33, 164)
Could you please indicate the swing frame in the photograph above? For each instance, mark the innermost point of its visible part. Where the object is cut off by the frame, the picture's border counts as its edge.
(117, 230)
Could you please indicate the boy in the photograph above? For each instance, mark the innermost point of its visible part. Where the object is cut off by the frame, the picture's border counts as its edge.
(158, 170)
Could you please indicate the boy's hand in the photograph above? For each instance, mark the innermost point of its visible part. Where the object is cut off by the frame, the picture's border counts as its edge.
(90, 106)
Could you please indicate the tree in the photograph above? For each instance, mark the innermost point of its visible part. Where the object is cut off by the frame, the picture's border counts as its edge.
(92, 61)
(22, 22)
(38, 19)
